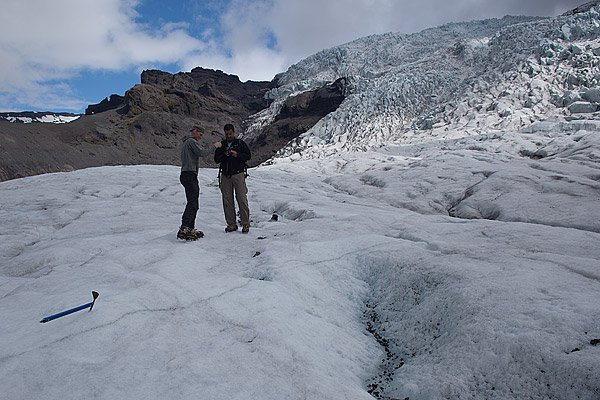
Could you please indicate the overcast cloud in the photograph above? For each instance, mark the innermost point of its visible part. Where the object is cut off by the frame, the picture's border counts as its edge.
(45, 43)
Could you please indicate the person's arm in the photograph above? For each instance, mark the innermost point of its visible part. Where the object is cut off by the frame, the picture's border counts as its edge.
(198, 150)
(219, 152)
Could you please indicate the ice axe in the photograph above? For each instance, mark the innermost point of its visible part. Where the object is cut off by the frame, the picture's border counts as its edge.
(72, 310)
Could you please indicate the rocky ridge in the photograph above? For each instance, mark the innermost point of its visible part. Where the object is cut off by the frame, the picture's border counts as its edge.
(146, 125)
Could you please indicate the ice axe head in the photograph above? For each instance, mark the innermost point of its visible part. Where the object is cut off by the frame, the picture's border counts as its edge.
(95, 296)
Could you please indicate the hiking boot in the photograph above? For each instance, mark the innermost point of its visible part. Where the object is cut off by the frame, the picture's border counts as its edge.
(245, 228)
(198, 234)
(231, 228)
(185, 233)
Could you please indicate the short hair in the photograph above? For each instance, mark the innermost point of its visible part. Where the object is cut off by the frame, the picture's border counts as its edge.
(228, 127)
(197, 128)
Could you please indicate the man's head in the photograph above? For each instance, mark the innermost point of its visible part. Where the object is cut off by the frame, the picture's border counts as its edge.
(197, 132)
(229, 132)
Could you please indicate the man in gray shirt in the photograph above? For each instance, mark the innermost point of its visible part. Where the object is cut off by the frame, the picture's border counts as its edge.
(190, 152)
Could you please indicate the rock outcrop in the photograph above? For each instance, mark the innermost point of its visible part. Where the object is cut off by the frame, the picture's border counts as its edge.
(146, 125)
(297, 115)
(115, 101)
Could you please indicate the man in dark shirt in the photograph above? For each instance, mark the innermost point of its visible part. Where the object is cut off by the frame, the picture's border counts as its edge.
(231, 154)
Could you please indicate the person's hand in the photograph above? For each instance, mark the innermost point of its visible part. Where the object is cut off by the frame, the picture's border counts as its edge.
(217, 144)
(233, 153)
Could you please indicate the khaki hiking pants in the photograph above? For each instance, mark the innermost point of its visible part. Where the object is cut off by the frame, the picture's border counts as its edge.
(230, 185)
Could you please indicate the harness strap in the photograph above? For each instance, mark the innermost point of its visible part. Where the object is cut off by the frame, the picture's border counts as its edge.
(219, 176)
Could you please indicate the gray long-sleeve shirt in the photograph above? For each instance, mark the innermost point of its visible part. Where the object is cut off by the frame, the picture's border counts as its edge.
(190, 152)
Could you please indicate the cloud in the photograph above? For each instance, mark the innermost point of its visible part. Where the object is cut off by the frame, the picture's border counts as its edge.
(63, 37)
(239, 42)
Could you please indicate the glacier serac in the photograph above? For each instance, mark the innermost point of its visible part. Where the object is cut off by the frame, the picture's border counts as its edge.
(456, 80)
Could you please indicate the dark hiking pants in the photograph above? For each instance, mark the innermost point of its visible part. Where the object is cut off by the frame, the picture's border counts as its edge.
(189, 180)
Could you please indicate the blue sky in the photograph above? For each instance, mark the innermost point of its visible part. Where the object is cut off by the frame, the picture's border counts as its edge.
(63, 55)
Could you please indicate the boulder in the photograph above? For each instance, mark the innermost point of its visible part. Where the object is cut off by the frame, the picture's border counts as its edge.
(580, 107)
(592, 95)
(115, 101)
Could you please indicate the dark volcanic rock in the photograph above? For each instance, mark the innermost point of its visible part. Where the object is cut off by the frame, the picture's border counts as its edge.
(212, 96)
(147, 124)
(298, 114)
(115, 101)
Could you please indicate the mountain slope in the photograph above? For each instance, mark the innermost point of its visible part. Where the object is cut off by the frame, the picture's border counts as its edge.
(147, 124)
(454, 80)
(145, 128)
(446, 82)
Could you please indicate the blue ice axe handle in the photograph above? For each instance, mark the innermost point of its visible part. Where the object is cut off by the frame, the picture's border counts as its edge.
(72, 310)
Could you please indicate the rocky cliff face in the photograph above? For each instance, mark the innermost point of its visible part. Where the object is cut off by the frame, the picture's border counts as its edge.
(296, 116)
(209, 96)
(115, 101)
(146, 125)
